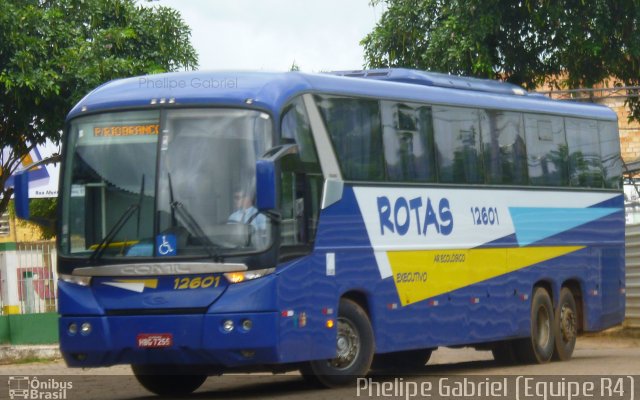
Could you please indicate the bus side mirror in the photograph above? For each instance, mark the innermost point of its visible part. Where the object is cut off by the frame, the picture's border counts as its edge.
(265, 185)
(21, 194)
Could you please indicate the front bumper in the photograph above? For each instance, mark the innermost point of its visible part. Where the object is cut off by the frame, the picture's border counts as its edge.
(198, 339)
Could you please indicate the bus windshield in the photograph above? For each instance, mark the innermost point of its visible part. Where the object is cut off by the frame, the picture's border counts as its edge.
(164, 183)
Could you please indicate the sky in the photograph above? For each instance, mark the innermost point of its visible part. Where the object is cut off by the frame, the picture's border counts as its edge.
(270, 35)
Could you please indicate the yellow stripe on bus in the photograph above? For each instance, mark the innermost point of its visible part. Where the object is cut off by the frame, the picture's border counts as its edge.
(422, 274)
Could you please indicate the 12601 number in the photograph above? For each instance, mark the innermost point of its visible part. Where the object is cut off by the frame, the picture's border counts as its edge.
(196, 283)
(485, 216)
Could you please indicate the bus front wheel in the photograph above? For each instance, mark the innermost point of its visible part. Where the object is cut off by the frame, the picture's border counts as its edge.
(565, 325)
(538, 348)
(354, 348)
(161, 381)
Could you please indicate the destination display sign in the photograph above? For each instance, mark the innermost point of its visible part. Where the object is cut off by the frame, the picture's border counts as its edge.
(126, 130)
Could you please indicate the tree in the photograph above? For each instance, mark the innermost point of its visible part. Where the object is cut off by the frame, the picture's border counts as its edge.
(566, 43)
(53, 52)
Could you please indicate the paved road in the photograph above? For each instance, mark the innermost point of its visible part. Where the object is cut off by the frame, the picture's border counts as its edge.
(596, 356)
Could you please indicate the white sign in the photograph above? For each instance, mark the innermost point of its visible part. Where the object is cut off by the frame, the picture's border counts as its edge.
(43, 181)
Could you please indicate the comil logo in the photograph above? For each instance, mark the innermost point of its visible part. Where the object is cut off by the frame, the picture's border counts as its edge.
(24, 387)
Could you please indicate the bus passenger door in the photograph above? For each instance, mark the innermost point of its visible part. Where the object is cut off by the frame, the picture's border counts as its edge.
(303, 288)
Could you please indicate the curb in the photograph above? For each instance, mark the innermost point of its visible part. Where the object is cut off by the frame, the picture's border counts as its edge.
(29, 353)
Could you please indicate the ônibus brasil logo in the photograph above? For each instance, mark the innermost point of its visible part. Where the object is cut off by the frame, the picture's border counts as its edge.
(32, 388)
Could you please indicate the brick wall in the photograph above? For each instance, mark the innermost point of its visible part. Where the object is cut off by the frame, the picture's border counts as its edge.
(629, 131)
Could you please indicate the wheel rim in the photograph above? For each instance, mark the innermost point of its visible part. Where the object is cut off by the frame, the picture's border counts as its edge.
(544, 328)
(568, 326)
(347, 345)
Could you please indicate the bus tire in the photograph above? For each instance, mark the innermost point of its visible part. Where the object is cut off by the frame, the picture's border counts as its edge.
(538, 348)
(355, 346)
(159, 380)
(504, 352)
(565, 325)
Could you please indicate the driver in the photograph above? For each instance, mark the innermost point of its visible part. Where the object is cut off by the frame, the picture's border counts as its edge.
(245, 212)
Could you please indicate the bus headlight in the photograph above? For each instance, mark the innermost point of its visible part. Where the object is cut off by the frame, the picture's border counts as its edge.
(77, 280)
(85, 328)
(237, 277)
(227, 326)
(247, 325)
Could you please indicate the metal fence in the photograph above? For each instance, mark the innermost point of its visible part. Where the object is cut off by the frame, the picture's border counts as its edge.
(37, 277)
(633, 276)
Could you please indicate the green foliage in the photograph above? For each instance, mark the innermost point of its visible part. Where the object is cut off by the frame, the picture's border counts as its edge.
(567, 43)
(45, 210)
(53, 52)
(42, 210)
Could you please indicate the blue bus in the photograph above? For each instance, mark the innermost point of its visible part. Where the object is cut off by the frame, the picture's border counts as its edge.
(214, 222)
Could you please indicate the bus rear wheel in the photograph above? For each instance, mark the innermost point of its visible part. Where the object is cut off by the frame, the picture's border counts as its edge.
(565, 326)
(354, 349)
(161, 381)
(538, 348)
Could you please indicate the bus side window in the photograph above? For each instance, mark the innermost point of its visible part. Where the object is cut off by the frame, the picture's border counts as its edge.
(546, 150)
(610, 154)
(457, 138)
(407, 133)
(355, 129)
(296, 128)
(301, 181)
(585, 164)
(291, 232)
(504, 152)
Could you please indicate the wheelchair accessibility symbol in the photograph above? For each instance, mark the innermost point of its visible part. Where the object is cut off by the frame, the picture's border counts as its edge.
(166, 245)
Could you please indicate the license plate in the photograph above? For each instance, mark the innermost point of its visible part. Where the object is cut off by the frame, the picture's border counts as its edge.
(154, 340)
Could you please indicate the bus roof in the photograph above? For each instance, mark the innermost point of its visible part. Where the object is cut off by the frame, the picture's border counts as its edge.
(271, 91)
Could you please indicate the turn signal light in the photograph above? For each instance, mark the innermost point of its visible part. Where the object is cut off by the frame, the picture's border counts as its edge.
(234, 277)
(237, 277)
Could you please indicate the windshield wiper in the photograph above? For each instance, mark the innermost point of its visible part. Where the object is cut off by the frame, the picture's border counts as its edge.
(97, 253)
(192, 225)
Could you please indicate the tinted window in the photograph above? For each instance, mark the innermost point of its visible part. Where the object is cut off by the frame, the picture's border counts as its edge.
(355, 130)
(585, 165)
(408, 142)
(546, 150)
(295, 128)
(610, 154)
(505, 157)
(457, 138)
(301, 180)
